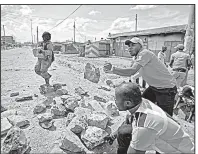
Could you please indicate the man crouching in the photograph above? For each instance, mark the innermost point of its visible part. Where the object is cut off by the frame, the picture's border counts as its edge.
(147, 127)
(44, 63)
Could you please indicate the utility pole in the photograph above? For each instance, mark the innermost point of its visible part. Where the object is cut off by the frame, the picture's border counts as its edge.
(4, 36)
(37, 35)
(34, 39)
(136, 22)
(74, 31)
(31, 31)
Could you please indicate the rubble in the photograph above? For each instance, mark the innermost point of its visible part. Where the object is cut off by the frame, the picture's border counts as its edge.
(71, 103)
(5, 126)
(10, 112)
(93, 136)
(14, 94)
(115, 82)
(71, 142)
(15, 142)
(47, 124)
(95, 105)
(81, 91)
(111, 109)
(44, 89)
(58, 110)
(26, 98)
(92, 73)
(69, 118)
(3, 109)
(61, 92)
(57, 150)
(80, 111)
(105, 88)
(78, 124)
(40, 108)
(98, 119)
(48, 102)
(19, 121)
(100, 99)
(45, 117)
(57, 86)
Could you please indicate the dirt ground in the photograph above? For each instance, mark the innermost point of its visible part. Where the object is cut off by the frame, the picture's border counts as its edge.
(17, 75)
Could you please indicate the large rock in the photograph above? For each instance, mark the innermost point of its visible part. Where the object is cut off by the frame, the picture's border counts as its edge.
(80, 111)
(5, 126)
(111, 109)
(71, 103)
(92, 73)
(98, 119)
(78, 124)
(95, 105)
(15, 142)
(58, 110)
(93, 136)
(40, 108)
(19, 121)
(72, 143)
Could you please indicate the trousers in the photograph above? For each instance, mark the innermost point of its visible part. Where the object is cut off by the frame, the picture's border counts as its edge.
(41, 68)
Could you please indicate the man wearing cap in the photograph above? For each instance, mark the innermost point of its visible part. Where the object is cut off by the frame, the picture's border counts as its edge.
(162, 85)
(180, 63)
(162, 55)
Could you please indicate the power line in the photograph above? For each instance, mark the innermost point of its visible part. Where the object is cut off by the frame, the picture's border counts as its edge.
(66, 18)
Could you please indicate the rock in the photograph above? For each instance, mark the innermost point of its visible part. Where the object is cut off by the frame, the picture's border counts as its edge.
(39, 108)
(105, 88)
(78, 124)
(98, 119)
(44, 89)
(61, 92)
(92, 73)
(20, 99)
(71, 142)
(111, 109)
(115, 82)
(15, 142)
(11, 112)
(64, 84)
(14, 94)
(45, 117)
(81, 91)
(64, 97)
(58, 110)
(19, 121)
(96, 106)
(57, 150)
(48, 102)
(5, 126)
(80, 111)
(71, 103)
(69, 118)
(93, 136)
(57, 86)
(47, 124)
(35, 95)
(100, 99)
(58, 100)
(3, 109)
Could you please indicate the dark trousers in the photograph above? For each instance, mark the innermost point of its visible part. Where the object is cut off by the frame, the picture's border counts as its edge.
(163, 97)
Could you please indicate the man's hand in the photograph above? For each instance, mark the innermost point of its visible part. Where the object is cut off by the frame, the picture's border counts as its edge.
(107, 67)
(109, 139)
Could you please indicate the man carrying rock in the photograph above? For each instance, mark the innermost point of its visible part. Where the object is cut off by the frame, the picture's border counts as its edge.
(162, 85)
(148, 127)
(43, 64)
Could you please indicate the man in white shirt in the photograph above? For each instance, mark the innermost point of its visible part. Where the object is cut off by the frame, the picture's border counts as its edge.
(162, 55)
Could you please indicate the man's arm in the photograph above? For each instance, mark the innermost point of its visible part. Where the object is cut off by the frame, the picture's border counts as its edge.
(127, 71)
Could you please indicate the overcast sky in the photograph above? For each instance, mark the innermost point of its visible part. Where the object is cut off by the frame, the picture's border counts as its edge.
(92, 21)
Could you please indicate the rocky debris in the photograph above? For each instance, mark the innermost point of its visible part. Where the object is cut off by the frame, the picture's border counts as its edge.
(58, 110)
(44, 89)
(57, 100)
(100, 99)
(78, 124)
(111, 109)
(3, 109)
(35, 95)
(105, 88)
(5, 126)
(46, 120)
(69, 118)
(57, 150)
(40, 108)
(71, 142)
(80, 111)
(93, 136)
(92, 73)
(71, 103)
(61, 92)
(115, 82)
(95, 105)
(19, 121)
(98, 119)
(15, 142)
(20, 99)
(57, 86)
(48, 102)
(14, 94)
(11, 112)
(81, 91)
(47, 124)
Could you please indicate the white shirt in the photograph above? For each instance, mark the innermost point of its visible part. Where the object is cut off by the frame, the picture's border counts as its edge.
(162, 56)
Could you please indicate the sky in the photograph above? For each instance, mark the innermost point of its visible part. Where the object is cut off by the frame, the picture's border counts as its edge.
(92, 21)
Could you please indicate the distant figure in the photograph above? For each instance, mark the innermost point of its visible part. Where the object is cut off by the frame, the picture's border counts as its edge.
(180, 63)
(162, 55)
(43, 64)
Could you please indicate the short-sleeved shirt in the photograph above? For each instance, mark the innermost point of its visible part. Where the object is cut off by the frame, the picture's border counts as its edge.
(153, 71)
(49, 49)
(180, 59)
(162, 56)
(153, 129)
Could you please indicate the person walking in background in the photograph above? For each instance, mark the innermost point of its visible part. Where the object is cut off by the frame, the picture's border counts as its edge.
(180, 64)
(162, 55)
(43, 64)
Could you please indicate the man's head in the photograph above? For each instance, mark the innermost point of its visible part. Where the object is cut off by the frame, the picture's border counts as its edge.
(135, 45)
(179, 47)
(187, 91)
(164, 48)
(46, 36)
(128, 96)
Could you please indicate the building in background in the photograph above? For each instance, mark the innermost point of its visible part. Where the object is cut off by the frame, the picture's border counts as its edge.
(7, 40)
(153, 40)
